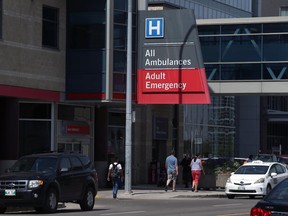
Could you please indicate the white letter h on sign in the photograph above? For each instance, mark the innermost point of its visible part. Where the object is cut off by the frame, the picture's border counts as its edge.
(156, 27)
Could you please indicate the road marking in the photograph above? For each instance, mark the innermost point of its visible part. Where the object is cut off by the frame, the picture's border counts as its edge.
(236, 214)
(120, 213)
(228, 205)
(233, 214)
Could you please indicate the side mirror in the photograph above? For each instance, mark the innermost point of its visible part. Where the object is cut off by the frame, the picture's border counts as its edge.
(64, 170)
(273, 174)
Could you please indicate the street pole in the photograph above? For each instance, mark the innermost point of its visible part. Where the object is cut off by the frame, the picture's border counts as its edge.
(128, 147)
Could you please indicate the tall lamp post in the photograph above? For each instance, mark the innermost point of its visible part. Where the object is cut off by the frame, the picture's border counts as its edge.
(128, 147)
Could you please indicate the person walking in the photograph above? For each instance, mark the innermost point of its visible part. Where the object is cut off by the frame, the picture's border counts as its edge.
(196, 168)
(171, 165)
(186, 175)
(115, 174)
(250, 159)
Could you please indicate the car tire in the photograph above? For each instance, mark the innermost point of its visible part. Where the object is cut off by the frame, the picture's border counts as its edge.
(230, 196)
(88, 200)
(2, 210)
(51, 202)
(268, 189)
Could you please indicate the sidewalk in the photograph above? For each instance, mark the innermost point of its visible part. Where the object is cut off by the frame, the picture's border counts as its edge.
(143, 192)
(150, 192)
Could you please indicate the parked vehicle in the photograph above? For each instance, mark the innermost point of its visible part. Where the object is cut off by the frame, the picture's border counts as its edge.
(43, 180)
(255, 178)
(282, 159)
(275, 203)
(266, 157)
(240, 160)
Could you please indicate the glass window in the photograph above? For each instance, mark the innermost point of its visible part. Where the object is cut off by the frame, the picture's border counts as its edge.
(65, 163)
(121, 5)
(87, 30)
(120, 17)
(212, 72)
(116, 119)
(209, 30)
(210, 48)
(86, 24)
(76, 163)
(279, 169)
(241, 48)
(50, 27)
(241, 29)
(116, 135)
(72, 113)
(120, 37)
(279, 103)
(254, 170)
(275, 47)
(280, 193)
(240, 72)
(35, 111)
(273, 170)
(87, 5)
(276, 130)
(119, 82)
(283, 11)
(120, 61)
(116, 142)
(275, 27)
(85, 160)
(34, 137)
(275, 71)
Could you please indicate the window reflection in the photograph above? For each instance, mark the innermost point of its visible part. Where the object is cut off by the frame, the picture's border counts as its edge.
(275, 71)
(275, 47)
(248, 47)
(241, 48)
(50, 25)
(241, 72)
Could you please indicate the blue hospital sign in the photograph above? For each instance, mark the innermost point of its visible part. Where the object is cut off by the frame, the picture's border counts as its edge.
(170, 63)
(154, 28)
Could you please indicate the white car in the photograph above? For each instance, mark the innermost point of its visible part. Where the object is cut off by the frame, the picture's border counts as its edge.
(255, 178)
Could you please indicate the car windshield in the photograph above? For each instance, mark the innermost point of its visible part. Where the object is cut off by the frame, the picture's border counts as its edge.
(264, 158)
(34, 164)
(252, 170)
(279, 193)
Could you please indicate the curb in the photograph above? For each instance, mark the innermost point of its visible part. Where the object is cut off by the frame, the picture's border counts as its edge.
(159, 194)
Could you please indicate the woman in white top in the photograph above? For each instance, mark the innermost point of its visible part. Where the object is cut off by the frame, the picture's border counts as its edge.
(196, 168)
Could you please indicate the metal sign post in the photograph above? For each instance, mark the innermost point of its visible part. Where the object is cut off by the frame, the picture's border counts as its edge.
(128, 147)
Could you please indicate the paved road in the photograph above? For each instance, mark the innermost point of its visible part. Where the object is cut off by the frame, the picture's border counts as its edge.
(155, 201)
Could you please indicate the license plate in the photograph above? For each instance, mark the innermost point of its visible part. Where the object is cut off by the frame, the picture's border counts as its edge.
(11, 192)
(241, 188)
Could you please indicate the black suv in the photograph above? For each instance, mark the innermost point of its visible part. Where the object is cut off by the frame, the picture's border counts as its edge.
(42, 180)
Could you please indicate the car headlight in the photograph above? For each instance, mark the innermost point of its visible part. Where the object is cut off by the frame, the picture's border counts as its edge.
(35, 183)
(261, 180)
(229, 180)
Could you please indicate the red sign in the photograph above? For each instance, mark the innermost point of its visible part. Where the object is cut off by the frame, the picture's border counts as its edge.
(77, 129)
(173, 86)
(170, 62)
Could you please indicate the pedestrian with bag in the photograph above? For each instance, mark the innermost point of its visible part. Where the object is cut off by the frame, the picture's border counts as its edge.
(115, 175)
(171, 165)
(196, 169)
